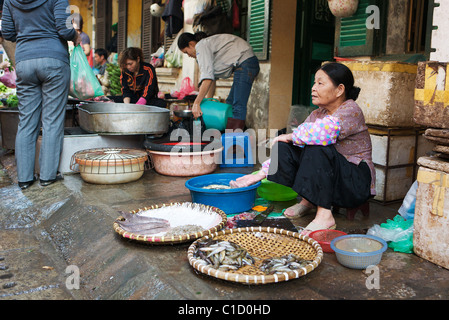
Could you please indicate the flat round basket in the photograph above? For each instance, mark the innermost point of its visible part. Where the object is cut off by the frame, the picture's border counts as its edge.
(209, 219)
(261, 243)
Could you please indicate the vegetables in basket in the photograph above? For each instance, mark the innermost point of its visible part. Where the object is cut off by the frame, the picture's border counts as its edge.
(113, 73)
(12, 101)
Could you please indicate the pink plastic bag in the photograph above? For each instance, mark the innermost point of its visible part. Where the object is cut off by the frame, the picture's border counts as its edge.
(9, 79)
(186, 89)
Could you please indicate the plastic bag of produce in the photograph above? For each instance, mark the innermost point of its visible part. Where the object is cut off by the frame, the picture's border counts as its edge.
(174, 56)
(9, 78)
(83, 83)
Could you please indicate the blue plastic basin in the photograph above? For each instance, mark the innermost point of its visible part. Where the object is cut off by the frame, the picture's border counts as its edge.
(359, 251)
(229, 200)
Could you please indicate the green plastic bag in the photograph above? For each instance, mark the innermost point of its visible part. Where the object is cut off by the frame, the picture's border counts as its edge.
(397, 232)
(83, 82)
(405, 228)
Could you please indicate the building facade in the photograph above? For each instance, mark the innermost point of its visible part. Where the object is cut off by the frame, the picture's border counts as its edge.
(293, 39)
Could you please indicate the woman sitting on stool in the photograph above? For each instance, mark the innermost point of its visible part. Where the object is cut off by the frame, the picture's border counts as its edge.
(327, 160)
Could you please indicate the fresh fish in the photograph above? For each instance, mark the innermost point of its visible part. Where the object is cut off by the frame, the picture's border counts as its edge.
(283, 264)
(142, 225)
(223, 255)
(138, 218)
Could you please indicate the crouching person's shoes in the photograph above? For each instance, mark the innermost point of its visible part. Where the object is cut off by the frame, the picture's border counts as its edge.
(45, 183)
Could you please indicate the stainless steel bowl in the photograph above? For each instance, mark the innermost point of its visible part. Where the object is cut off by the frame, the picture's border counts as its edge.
(121, 118)
(183, 113)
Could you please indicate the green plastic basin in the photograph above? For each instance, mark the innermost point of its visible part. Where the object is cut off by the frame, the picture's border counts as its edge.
(273, 191)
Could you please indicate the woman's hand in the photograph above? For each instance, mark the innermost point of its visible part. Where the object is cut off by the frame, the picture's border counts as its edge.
(196, 110)
(247, 180)
(287, 138)
(204, 89)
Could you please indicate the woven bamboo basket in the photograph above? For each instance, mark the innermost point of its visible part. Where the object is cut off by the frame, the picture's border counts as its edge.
(261, 243)
(221, 216)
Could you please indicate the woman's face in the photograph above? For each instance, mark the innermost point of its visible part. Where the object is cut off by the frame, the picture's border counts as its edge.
(190, 50)
(324, 92)
(133, 65)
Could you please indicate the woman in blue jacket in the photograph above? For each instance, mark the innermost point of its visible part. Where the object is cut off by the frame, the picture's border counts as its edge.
(43, 79)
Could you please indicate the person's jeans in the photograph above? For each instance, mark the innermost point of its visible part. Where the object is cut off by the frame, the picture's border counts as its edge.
(244, 76)
(42, 90)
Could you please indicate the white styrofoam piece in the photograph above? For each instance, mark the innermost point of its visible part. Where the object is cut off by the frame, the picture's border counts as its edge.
(402, 149)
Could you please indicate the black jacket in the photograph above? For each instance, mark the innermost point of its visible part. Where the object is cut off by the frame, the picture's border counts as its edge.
(144, 85)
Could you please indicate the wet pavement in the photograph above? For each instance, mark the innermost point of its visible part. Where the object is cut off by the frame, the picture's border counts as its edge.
(50, 235)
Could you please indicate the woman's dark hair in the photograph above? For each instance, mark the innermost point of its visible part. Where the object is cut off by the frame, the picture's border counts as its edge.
(78, 20)
(341, 74)
(186, 37)
(130, 54)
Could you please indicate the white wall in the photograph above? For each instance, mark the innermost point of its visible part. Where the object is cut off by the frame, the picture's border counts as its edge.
(439, 36)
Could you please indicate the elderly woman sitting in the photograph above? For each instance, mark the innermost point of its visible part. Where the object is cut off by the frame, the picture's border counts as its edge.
(327, 160)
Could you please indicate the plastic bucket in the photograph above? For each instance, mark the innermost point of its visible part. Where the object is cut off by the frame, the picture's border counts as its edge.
(215, 114)
(229, 200)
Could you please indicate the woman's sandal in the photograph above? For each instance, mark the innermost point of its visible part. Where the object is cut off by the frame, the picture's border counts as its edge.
(313, 226)
(300, 211)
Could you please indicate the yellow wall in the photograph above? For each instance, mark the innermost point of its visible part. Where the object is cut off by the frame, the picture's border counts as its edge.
(135, 23)
(282, 62)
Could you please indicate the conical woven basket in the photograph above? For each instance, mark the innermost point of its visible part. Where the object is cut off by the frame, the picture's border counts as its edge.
(261, 243)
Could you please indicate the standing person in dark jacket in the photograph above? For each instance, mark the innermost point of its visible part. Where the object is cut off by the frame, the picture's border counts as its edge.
(138, 79)
(43, 79)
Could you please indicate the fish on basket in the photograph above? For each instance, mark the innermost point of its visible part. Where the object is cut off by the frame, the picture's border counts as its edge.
(142, 225)
(223, 255)
(283, 264)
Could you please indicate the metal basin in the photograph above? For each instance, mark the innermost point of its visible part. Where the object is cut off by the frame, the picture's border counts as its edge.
(121, 118)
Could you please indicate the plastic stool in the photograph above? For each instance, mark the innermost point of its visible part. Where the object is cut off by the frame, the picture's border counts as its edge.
(350, 212)
(231, 155)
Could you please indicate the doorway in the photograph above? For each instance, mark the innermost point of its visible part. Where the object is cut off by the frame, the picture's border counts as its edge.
(315, 33)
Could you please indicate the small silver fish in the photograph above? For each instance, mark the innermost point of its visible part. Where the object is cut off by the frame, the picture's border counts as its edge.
(283, 264)
(223, 253)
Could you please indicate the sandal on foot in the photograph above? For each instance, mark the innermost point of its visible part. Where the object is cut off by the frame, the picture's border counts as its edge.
(300, 211)
(313, 226)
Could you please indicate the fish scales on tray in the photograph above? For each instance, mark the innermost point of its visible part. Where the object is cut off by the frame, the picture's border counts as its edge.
(142, 225)
(223, 255)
